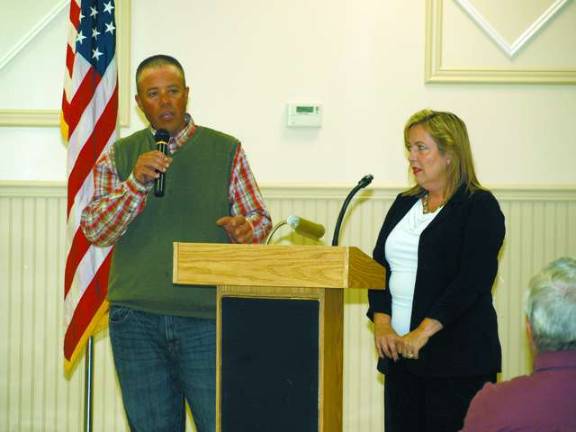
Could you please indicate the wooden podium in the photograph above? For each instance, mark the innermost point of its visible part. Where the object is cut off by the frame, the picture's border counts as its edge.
(280, 313)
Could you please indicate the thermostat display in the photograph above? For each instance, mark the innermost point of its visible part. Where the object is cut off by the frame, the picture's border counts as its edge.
(304, 115)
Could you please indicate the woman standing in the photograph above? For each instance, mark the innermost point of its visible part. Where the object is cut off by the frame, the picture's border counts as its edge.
(435, 326)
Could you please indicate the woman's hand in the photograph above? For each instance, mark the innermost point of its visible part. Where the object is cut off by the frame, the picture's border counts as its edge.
(410, 344)
(385, 338)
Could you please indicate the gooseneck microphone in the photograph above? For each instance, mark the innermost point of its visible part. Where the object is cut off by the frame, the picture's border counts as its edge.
(364, 181)
(305, 227)
(162, 137)
(301, 226)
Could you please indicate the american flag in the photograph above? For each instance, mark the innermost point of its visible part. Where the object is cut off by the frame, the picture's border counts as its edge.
(89, 115)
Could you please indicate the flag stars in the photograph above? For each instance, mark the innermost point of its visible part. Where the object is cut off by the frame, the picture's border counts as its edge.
(96, 54)
(110, 28)
(80, 37)
(95, 36)
(108, 7)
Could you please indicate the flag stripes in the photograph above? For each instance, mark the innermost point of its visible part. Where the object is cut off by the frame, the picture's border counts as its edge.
(88, 122)
(93, 148)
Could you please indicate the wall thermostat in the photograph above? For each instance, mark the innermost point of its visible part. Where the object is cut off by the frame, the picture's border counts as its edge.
(304, 115)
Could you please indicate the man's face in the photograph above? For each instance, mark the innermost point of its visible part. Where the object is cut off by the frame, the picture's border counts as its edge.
(162, 96)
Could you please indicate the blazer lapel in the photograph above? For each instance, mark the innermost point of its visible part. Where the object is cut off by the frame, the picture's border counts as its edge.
(457, 198)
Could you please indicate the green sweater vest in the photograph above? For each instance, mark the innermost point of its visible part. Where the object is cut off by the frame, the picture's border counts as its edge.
(196, 195)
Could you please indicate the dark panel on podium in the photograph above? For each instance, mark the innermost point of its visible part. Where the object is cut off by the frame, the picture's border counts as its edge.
(269, 371)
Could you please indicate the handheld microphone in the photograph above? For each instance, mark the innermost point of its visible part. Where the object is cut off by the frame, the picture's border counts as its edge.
(364, 181)
(162, 136)
(305, 227)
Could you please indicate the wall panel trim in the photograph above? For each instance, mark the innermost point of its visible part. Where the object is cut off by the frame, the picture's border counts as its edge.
(35, 395)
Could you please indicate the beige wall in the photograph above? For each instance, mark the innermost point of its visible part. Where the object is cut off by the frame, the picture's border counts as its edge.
(35, 396)
(363, 60)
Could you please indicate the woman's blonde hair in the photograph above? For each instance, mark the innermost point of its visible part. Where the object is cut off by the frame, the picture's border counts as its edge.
(450, 135)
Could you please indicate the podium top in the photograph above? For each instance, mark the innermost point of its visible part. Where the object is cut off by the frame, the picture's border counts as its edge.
(275, 265)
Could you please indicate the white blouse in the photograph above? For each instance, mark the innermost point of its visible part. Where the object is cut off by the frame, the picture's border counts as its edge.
(401, 252)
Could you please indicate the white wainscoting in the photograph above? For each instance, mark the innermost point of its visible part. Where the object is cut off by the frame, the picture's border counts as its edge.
(36, 396)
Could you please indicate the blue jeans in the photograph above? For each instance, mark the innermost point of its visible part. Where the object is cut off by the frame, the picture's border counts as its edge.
(162, 361)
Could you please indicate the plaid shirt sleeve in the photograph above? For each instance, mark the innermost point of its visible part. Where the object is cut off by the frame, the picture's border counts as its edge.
(114, 204)
(246, 198)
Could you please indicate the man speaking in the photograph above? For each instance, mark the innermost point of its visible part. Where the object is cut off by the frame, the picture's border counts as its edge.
(164, 336)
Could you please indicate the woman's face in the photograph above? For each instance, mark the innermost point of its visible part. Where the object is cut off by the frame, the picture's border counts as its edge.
(428, 165)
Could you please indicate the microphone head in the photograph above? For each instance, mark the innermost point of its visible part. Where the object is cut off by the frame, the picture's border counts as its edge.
(306, 227)
(366, 180)
(162, 135)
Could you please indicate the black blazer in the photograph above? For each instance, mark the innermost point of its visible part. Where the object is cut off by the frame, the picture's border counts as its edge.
(457, 265)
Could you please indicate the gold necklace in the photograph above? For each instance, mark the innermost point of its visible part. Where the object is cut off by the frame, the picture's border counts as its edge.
(425, 208)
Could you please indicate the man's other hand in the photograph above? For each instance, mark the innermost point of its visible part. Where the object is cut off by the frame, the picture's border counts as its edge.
(239, 228)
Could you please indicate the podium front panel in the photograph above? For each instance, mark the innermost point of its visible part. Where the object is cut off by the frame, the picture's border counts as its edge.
(269, 372)
(300, 339)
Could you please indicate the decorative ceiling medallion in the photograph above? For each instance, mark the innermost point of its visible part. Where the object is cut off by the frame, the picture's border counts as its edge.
(511, 48)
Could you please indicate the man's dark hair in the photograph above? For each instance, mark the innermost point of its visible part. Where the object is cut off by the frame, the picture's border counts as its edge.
(155, 61)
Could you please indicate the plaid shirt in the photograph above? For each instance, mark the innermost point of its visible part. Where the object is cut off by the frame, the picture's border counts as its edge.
(115, 203)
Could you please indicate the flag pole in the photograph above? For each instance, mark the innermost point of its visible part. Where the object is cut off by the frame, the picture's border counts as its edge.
(88, 384)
